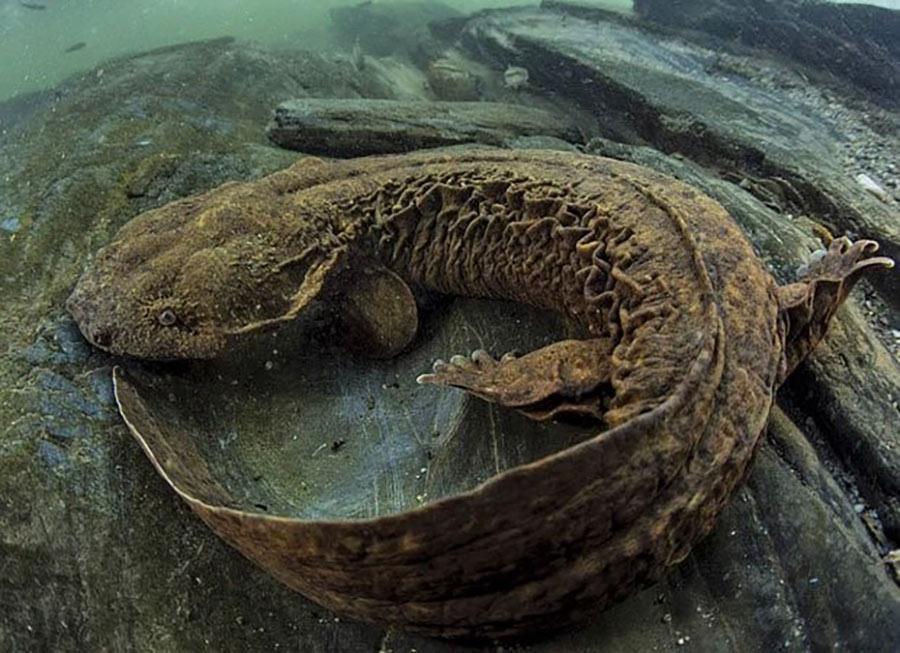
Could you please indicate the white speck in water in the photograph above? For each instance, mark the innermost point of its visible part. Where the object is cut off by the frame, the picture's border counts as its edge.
(515, 77)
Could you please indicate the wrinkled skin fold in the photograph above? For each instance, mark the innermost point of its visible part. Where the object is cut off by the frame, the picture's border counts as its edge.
(689, 338)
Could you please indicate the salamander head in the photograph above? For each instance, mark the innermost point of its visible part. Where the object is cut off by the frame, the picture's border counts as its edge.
(134, 308)
(809, 305)
(173, 286)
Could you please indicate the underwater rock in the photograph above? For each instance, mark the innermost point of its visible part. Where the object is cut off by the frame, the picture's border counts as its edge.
(871, 186)
(856, 43)
(345, 128)
(515, 77)
(396, 78)
(542, 143)
(450, 80)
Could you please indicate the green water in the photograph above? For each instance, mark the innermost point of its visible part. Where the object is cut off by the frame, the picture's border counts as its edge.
(33, 42)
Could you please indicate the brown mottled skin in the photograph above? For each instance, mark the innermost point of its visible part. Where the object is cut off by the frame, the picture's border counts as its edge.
(690, 337)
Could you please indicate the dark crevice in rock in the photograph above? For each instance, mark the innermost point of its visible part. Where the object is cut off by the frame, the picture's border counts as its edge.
(875, 476)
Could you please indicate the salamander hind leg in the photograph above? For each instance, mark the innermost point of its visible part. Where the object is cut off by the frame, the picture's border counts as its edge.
(571, 377)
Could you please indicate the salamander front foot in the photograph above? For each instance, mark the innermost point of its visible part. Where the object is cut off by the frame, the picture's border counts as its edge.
(570, 377)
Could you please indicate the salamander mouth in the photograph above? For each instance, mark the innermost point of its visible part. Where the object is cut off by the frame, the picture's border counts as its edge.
(88, 312)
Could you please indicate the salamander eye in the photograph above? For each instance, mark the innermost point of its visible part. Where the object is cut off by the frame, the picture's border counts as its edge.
(167, 318)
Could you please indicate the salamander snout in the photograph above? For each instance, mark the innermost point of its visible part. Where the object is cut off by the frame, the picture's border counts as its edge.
(88, 314)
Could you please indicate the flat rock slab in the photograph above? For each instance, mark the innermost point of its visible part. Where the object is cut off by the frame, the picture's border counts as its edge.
(867, 38)
(356, 127)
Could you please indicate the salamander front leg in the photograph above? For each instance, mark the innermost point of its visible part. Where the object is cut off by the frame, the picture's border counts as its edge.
(378, 313)
(567, 377)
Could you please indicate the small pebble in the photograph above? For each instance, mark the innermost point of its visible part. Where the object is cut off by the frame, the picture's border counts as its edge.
(12, 225)
(871, 186)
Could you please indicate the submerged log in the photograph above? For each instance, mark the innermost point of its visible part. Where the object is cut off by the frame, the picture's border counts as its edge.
(345, 128)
